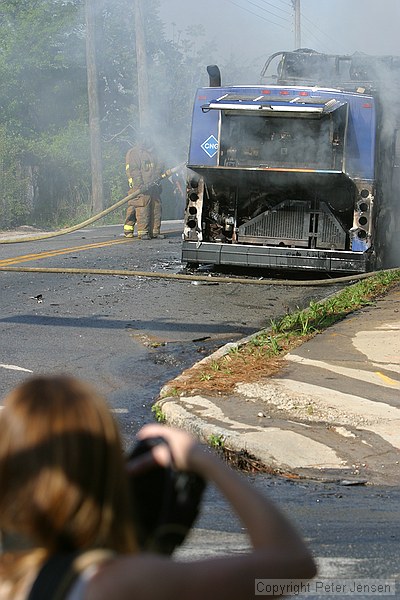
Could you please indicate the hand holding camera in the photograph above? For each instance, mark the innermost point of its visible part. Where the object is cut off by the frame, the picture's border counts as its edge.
(179, 446)
(165, 494)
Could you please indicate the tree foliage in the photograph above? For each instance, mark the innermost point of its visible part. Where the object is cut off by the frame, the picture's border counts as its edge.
(42, 91)
(44, 140)
(16, 191)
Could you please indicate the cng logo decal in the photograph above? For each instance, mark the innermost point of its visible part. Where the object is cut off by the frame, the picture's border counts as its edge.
(210, 146)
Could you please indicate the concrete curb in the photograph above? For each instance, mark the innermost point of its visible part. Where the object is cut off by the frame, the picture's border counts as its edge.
(332, 414)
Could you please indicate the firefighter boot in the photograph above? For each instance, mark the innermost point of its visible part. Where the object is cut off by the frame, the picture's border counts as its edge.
(130, 220)
(143, 236)
(128, 231)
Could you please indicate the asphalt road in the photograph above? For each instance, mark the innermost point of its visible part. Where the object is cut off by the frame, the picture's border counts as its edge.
(354, 532)
(129, 336)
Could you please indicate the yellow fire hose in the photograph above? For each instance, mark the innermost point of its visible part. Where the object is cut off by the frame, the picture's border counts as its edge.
(183, 277)
(102, 214)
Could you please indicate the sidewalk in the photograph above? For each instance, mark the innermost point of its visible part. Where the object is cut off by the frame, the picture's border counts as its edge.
(333, 413)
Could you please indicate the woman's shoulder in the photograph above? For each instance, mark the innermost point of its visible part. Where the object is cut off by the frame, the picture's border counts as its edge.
(150, 576)
(128, 576)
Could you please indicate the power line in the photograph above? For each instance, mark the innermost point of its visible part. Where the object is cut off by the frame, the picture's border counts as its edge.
(330, 38)
(256, 14)
(287, 12)
(266, 10)
(285, 2)
(313, 35)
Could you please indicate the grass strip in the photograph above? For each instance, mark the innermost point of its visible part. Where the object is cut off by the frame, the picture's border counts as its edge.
(263, 355)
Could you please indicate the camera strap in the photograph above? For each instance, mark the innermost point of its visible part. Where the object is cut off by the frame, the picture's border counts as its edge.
(59, 572)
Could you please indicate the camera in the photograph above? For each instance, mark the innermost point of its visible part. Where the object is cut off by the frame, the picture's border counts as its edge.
(165, 501)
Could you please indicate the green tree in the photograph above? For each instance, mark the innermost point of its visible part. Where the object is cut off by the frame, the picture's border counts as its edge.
(42, 91)
(44, 142)
(16, 192)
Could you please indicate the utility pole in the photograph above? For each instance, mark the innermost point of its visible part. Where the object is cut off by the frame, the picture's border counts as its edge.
(141, 65)
(297, 25)
(94, 113)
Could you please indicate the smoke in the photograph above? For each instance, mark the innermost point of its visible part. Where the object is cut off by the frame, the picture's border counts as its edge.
(388, 159)
(254, 30)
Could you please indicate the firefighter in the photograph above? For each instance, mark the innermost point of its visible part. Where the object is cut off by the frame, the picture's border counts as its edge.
(142, 169)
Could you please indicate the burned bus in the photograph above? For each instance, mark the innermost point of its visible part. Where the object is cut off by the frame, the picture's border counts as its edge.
(299, 172)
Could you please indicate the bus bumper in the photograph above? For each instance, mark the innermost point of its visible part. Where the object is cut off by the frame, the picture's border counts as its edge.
(274, 257)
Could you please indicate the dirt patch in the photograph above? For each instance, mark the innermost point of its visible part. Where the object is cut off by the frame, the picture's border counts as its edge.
(221, 376)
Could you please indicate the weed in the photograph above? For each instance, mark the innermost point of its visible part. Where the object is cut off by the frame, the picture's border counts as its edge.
(305, 323)
(215, 366)
(173, 391)
(258, 341)
(234, 351)
(216, 440)
(205, 376)
(158, 413)
(274, 326)
(225, 369)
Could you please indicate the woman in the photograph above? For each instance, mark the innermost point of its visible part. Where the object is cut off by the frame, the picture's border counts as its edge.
(64, 488)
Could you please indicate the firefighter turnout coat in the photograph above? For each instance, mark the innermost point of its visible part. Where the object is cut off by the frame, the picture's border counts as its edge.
(142, 169)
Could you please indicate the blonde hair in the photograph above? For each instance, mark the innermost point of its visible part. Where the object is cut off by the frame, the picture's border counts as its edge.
(63, 485)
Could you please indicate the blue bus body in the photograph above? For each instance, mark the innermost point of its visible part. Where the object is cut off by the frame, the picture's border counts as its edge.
(287, 175)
